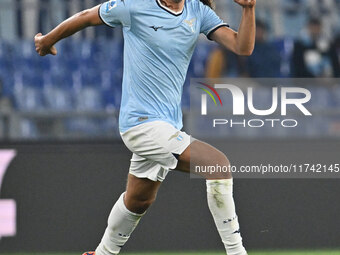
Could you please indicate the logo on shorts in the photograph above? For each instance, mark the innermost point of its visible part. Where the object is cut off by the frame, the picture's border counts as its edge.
(177, 136)
(180, 138)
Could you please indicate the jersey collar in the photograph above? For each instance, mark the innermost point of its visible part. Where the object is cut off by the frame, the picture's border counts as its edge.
(169, 10)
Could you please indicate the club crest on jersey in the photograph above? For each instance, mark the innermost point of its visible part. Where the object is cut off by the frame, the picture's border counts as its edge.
(110, 5)
(191, 23)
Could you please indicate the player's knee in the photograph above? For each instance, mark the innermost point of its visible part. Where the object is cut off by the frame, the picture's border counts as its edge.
(224, 160)
(222, 164)
(220, 158)
(138, 205)
(143, 205)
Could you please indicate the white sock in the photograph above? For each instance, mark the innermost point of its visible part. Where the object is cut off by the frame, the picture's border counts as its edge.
(222, 208)
(121, 224)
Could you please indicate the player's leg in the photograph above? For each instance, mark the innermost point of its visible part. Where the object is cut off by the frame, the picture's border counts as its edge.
(147, 170)
(140, 194)
(203, 155)
(219, 192)
(126, 213)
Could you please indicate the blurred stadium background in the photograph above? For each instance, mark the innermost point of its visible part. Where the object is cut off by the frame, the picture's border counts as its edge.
(59, 116)
(77, 93)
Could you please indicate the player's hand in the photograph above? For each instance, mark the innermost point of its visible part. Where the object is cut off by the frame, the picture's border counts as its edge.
(246, 3)
(42, 47)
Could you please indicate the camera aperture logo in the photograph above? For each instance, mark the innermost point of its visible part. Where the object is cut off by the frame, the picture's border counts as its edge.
(282, 97)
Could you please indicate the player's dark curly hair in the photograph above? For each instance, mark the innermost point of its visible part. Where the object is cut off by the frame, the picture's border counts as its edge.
(210, 3)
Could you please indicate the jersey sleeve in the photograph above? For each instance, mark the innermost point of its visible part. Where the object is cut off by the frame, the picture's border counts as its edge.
(210, 22)
(115, 12)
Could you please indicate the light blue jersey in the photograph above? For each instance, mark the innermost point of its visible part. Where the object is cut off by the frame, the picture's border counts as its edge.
(159, 44)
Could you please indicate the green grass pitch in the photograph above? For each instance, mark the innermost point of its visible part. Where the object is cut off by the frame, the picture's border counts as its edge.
(325, 252)
(250, 253)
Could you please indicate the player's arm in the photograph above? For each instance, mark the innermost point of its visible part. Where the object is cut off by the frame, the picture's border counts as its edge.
(243, 41)
(44, 44)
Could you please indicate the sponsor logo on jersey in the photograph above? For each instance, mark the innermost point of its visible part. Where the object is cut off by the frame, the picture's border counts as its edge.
(155, 28)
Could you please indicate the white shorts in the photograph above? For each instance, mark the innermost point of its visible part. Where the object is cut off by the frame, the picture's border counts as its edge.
(156, 146)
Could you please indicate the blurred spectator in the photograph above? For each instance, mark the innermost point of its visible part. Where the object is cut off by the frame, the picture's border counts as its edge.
(335, 53)
(312, 53)
(222, 63)
(327, 11)
(265, 60)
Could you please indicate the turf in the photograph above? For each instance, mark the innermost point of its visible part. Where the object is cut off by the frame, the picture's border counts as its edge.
(325, 252)
(250, 253)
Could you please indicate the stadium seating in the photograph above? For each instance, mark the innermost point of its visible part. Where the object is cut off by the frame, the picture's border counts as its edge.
(86, 76)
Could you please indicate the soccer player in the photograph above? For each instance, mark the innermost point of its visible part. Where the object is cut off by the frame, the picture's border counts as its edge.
(160, 37)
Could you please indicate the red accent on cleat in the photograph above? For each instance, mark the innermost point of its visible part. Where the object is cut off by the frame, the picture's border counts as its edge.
(89, 253)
